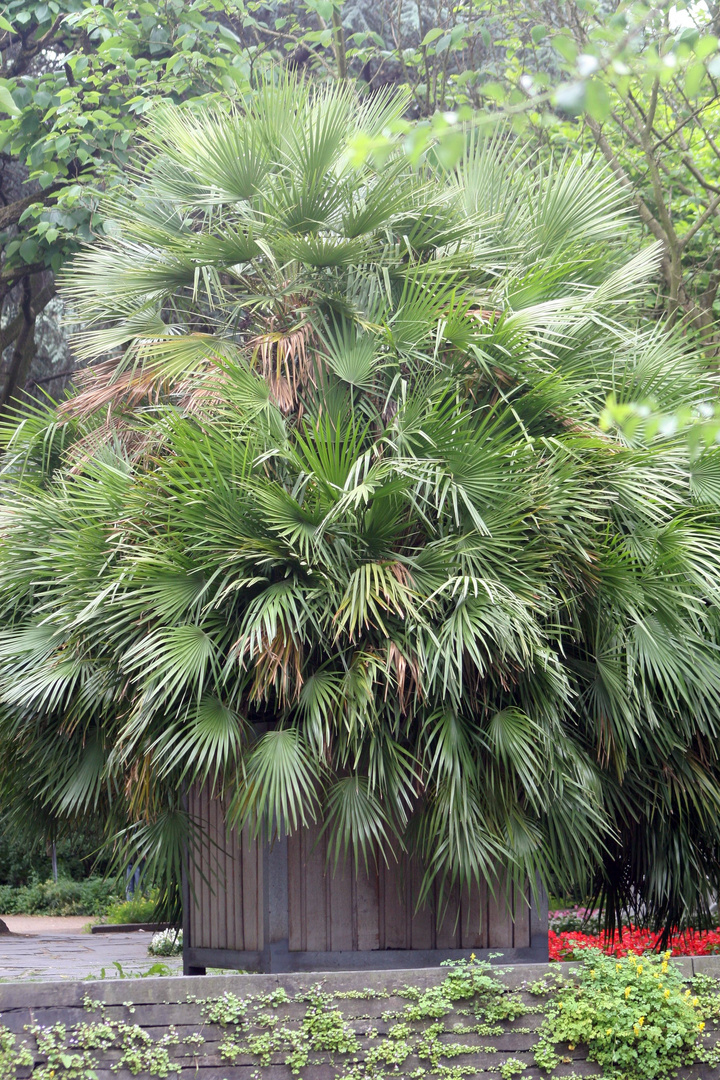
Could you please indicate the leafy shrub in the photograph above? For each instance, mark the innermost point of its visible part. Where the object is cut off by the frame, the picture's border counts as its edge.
(635, 1015)
(166, 943)
(140, 909)
(90, 897)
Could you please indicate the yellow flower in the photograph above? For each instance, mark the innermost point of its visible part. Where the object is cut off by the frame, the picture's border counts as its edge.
(628, 991)
(636, 1029)
(701, 1025)
(639, 969)
(571, 1046)
(609, 1031)
(618, 966)
(641, 1021)
(695, 1002)
(668, 954)
(560, 1004)
(667, 994)
(664, 965)
(687, 993)
(472, 955)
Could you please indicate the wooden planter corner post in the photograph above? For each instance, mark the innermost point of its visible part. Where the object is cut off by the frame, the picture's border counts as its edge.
(255, 906)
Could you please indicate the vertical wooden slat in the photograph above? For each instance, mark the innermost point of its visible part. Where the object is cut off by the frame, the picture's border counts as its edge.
(238, 935)
(500, 929)
(521, 916)
(219, 861)
(193, 883)
(260, 894)
(232, 883)
(221, 932)
(340, 904)
(225, 899)
(295, 874)
(381, 905)
(303, 884)
(316, 919)
(473, 917)
(395, 904)
(208, 929)
(251, 895)
(214, 916)
(367, 906)
(205, 893)
(423, 919)
(447, 914)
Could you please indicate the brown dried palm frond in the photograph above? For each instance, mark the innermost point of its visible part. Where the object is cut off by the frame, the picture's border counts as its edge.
(284, 359)
(102, 385)
(407, 675)
(199, 397)
(279, 665)
(149, 371)
(117, 428)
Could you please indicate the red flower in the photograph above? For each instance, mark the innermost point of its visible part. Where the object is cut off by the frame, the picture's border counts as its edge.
(633, 940)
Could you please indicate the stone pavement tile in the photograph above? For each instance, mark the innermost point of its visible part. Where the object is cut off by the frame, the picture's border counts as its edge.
(77, 956)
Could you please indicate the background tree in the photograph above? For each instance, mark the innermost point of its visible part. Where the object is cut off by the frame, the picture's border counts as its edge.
(653, 116)
(76, 78)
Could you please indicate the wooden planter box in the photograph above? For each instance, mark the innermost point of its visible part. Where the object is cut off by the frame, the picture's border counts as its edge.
(254, 906)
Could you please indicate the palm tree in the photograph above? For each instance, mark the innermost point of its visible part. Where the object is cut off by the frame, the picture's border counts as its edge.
(334, 527)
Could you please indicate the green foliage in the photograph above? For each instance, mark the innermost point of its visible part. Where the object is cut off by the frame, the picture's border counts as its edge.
(91, 897)
(70, 1055)
(76, 114)
(512, 1067)
(636, 1017)
(228, 1009)
(156, 970)
(321, 1032)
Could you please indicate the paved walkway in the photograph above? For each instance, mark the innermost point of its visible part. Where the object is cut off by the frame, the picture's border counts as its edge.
(41, 948)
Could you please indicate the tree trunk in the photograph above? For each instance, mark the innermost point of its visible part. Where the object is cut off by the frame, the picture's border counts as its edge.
(21, 331)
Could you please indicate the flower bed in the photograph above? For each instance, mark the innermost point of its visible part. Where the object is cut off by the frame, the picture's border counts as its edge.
(564, 944)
